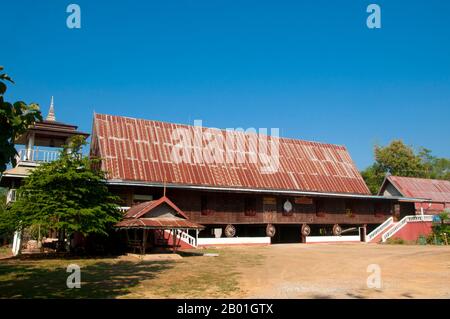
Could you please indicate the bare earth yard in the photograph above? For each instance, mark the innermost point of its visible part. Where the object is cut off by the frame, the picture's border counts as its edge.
(278, 271)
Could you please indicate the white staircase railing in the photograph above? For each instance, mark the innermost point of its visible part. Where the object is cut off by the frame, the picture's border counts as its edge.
(374, 233)
(403, 222)
(184, 236)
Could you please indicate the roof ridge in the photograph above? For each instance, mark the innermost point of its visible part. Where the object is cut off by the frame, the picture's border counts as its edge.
(223, 130)
(421, 178)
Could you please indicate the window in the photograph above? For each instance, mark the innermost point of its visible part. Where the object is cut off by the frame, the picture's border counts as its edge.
(269, 204)
(204, 206)
(250, 206)
(320, 208)
(380, 209)
(349, 209)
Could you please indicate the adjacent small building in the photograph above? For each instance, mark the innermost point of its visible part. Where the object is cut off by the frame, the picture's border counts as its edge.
(41, 143)
(437, 192)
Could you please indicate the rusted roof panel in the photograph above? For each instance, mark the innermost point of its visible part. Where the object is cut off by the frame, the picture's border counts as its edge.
(140, 150)
(436, 190)
(154, 223)
(146, 207)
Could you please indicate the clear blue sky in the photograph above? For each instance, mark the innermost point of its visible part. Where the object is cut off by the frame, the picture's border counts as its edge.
(311, 68)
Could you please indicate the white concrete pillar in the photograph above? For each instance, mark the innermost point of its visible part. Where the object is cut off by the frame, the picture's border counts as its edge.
(30, 146)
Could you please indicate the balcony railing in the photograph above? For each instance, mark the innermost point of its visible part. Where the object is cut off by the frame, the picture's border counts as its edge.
(37, 155)
(124, 209)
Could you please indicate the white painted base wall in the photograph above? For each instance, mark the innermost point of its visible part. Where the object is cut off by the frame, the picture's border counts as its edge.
(233, 241)
(17, 242)
(331, 239)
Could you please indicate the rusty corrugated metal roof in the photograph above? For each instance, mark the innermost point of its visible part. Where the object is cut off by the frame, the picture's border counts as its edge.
(154, 223)
(134, 217)
(140, 150)
(145, 207)
(433, 189)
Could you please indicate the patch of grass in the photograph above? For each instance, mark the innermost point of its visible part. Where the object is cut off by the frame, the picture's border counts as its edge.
(191, 277)
(395, 241)
(202, 277)
(100, 278)
(5, 251)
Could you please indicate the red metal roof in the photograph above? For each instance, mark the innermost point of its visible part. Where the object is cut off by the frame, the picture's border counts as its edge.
(134, 219)
(145, 207)
(436, 190)
(140, 150)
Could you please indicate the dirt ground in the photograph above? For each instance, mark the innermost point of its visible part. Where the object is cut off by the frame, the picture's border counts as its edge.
(277, 271)
(340, 271)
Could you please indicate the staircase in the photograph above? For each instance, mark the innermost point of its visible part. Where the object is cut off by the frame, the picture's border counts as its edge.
(375, 235)
(389, 228)
(186, 241)
(404, 222)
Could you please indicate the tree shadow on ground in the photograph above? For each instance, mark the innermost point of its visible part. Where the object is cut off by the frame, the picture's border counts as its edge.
(355, 296)
(98, 280)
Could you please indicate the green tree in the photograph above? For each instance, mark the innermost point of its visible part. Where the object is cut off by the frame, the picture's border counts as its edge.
(15, 118)
(436, 168)
(6, 229)
(373, 176)
(441, 230)
(68, 195)
(396, 159)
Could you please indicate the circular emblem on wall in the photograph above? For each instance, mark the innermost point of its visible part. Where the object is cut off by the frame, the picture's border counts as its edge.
(270, 230)
(306, 230)
(337, 230)
(230, 231)
(287, 206)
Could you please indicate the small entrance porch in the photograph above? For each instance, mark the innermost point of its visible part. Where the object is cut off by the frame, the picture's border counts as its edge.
(158, 225)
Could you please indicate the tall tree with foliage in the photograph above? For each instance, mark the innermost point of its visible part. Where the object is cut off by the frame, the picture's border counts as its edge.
(401, 160)
(68, 195)
(6, 229)
(436, 168)
(15, 118)
(396, 159)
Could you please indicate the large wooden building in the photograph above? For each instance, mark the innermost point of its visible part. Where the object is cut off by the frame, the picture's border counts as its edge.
(315, 190)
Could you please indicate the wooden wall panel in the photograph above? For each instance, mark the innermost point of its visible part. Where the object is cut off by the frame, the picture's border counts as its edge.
(229, 208)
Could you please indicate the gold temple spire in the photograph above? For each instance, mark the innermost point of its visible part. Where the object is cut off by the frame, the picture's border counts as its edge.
(51, 112)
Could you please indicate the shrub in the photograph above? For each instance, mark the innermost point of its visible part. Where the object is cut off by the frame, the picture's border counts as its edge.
(395, 241)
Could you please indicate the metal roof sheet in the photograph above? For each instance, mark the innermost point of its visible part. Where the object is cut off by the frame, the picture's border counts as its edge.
(146, 207)
(154, 223)
(134, 217)
(436, 190)
(139, 150)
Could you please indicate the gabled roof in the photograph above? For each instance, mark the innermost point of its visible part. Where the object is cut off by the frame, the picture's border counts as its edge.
(141, 209)
(135, 217)
(432, 189)
(137, 150)
(152, 223)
